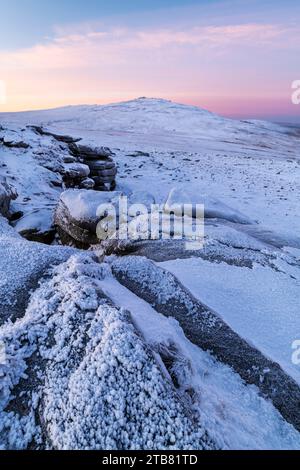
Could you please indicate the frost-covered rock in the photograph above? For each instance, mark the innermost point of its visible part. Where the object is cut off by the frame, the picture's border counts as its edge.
(103, 170)
(7, 194)
(87, 183)
(37, 225)
(138, 153)
(201, 325)
(77, 213)
(13, 139)
(84, 377)
(60, 138)
(87, 152)
(75, 170)
(213, 208)
(22, 264)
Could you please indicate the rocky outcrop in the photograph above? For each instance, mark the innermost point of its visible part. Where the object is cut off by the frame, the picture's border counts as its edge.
(60, 138)
(22, 264)
(79, 375)
(76, 216)
(74, 174)
(82, 161)
(203, 327)
(12, 140)
(36, 225)
(103, 170)
(90, 153)
(7, 194)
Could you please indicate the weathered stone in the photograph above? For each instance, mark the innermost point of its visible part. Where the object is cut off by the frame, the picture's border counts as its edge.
(111, 172)
(87, 183)
(60, 138)
(208, 331)
(90, 153)
(99, 180)
(69, 159)
(100, 165)
(138, 153)
(8, 141)
(75, 170)
(7, 194)
(37, 226)
(76, 213)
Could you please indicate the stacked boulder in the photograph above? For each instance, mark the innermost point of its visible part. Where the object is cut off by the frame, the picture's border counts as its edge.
(103, 170)
(75, 175)
(86, 167)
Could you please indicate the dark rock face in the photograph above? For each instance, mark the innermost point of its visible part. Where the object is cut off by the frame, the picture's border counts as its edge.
(60, 138)
(15, 144)
(74, 174)
(90, 153)
(138, 153)
(76, 216)
(97, 160)
(103, 170)
(46, 237)
(7, 194)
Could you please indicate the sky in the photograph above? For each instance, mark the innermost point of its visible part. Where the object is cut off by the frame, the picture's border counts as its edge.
(234, 57)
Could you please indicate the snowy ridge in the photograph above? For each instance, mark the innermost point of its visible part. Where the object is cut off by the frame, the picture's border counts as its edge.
(159, 118)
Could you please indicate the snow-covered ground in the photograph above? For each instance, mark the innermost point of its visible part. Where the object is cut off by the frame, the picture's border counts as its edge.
(251, 165)
(261, 304)
(247, 273)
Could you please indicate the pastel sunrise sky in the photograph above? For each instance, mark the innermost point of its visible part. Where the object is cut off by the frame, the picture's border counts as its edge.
(234, 57)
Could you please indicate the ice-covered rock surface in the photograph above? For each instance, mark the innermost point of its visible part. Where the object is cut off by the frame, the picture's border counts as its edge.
(89, 381)
(21, 266)
(79, 211)
(7, 194)
(36, 225)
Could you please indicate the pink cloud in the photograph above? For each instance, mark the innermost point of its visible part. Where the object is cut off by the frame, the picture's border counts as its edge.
(91, 65)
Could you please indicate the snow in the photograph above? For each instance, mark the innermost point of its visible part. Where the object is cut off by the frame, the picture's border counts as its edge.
(83, 204)
(101, 387)
(159, 119)
(33, 174)
(233, 414)
(39, 220)
(261, 304)
(213, 208)
(21, 265)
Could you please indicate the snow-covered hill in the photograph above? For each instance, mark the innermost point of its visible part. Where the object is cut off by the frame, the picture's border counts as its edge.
(156, 124)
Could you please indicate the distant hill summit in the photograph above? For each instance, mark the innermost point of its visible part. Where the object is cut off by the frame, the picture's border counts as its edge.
(156, 122)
